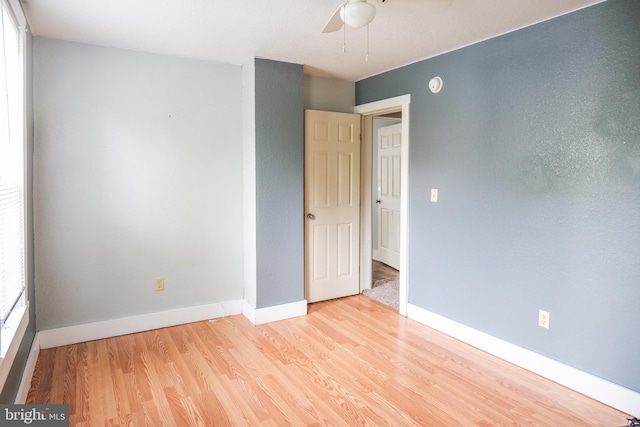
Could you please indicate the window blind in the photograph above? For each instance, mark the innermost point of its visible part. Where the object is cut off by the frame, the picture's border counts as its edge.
(12, 251)
(11, 248)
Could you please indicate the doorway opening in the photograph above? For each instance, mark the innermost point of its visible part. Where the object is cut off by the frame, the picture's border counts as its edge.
(385, 229)
(393, 108)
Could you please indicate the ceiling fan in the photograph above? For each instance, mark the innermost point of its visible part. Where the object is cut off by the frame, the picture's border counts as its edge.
(358, 13)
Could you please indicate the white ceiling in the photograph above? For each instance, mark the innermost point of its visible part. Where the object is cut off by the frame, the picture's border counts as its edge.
(235, 31)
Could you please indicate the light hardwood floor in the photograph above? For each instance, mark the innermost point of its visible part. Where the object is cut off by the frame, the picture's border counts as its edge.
(350, 361)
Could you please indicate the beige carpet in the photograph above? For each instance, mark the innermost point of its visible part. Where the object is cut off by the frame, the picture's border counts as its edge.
(385, 291)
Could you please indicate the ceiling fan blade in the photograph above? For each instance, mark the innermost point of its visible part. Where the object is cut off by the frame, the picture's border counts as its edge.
(335, 22)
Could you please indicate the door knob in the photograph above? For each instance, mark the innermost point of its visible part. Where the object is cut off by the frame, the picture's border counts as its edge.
(378, 201)
(311, 216)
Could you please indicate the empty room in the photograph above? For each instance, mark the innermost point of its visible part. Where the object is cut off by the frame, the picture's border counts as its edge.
(360, 212)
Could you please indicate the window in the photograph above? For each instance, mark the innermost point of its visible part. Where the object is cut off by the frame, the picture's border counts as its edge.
(12, 189)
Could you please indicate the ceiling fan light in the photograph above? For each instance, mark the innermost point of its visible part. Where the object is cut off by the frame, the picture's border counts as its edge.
(358, 14)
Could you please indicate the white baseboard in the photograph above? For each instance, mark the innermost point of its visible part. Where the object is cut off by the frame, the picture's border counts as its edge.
(275, 313)
(145, 322)
(611, 394)
(129, 325)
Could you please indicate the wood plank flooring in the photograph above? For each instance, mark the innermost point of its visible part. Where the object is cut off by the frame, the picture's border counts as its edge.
(350, 361)
(381, 271)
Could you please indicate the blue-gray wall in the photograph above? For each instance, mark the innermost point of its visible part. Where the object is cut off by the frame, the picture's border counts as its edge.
(279, 182)
(534, 145)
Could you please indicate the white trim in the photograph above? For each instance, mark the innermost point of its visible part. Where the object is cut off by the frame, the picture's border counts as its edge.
(18, 13)
(379, 107)
(29, 369)
(611, 394)
(249, 227)
(19, 329)
(383, 105)
(259, 316)
(249, 311)
(129, 325)
(19, 318)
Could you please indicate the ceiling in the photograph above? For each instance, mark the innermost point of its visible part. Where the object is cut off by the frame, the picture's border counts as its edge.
(235, 31)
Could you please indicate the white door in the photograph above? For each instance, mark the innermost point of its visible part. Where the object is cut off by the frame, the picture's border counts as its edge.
(388, 201)
(332, 205)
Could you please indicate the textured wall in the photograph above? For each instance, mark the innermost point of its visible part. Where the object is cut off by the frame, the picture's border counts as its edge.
(279, 183)
(534, 145)
(138, 174)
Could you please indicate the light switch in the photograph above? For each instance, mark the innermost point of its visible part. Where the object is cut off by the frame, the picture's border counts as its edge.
(543, 319)
(434, 195)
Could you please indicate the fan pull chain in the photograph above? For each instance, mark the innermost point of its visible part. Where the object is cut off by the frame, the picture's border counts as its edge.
(366, 58)
(344, 33)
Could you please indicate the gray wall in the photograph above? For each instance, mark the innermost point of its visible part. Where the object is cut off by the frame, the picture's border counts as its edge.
(137, 175)
(12, 383)
(279, 183)
(534, 145)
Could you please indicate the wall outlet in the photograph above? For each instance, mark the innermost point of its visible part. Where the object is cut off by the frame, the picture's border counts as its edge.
(434, 195)
(543, 319)
(160, 284)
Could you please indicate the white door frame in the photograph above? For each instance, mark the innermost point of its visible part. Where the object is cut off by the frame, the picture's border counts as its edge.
(399, 103)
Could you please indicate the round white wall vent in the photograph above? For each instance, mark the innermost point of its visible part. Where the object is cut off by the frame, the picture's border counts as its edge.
(435, 84)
